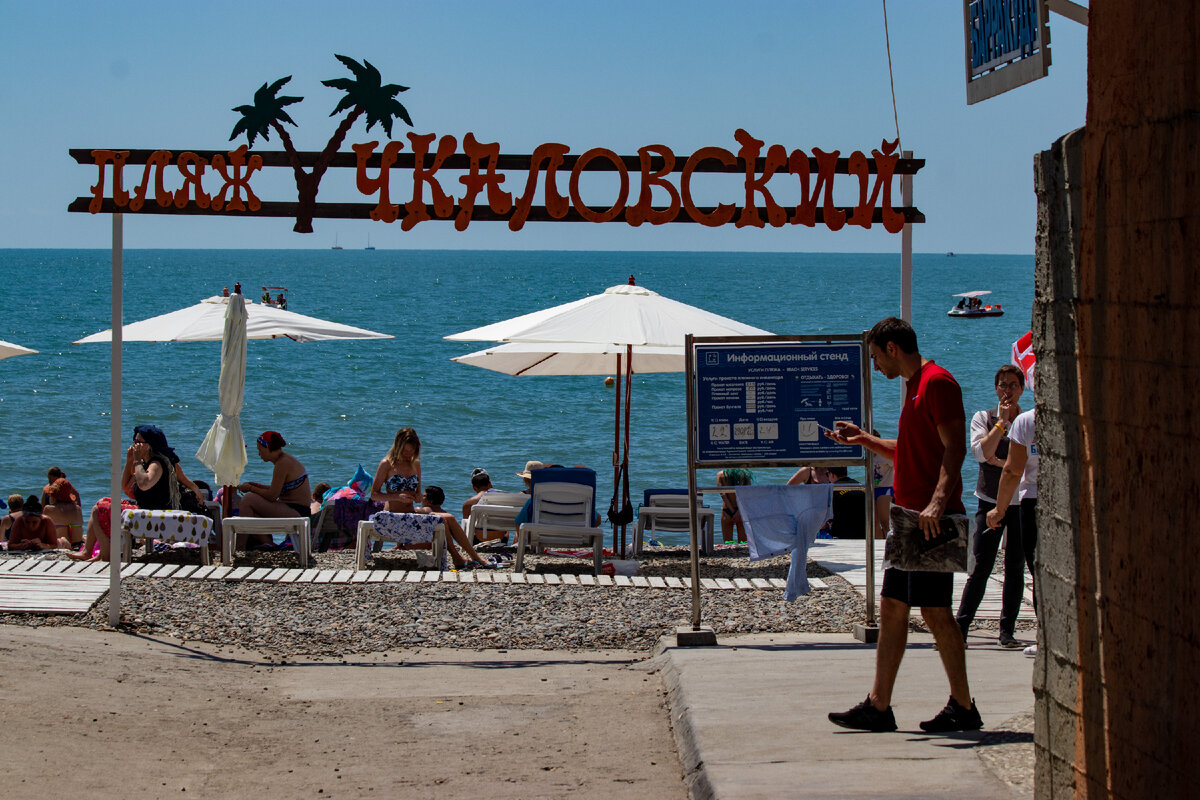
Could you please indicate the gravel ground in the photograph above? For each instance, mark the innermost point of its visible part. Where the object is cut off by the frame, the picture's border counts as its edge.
(287, 620)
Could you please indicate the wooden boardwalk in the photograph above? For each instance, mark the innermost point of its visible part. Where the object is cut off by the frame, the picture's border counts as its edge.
(36, 584)
(47, 587)
(848, 558)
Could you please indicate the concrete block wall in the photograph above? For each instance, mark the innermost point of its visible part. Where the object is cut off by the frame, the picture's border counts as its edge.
(1117, 335)
(1056, 580)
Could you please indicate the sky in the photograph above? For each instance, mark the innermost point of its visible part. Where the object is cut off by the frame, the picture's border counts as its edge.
(613, 74)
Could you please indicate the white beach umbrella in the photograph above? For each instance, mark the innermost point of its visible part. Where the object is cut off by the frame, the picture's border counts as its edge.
(625, 315)
(224, 448)
(628, 327)
(8, 350)
(571, 358)
(206, 321)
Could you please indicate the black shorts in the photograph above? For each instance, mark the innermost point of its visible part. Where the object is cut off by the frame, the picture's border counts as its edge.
(918, 589)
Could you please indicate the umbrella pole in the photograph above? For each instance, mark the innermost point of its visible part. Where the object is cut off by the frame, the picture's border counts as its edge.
(625, 456)
(616, 456)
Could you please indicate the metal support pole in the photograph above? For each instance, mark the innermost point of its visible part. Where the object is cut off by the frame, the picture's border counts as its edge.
(906, 248)
(696, 635)
(115, 547)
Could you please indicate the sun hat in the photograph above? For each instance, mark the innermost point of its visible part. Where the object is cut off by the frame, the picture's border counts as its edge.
(529, 467)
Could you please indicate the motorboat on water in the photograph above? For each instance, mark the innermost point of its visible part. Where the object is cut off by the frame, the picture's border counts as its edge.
(279, 300)
(971, 304)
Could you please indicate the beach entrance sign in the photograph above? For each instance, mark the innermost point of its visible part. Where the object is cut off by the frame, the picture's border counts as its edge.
(429, 177)
(426, 178)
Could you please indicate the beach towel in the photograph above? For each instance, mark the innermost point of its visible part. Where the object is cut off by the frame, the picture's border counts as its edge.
(405, 528)
(174, 526)
(781, 519)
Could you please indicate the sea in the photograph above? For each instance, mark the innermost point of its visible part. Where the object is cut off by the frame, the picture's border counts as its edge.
(340, 403)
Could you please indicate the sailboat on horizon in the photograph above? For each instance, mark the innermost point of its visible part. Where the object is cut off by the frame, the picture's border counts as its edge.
(369, 245)
(336, 246)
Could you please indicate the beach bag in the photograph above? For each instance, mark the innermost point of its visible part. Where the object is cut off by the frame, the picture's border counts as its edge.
(189, 502)
(622, 515)
(908, 549)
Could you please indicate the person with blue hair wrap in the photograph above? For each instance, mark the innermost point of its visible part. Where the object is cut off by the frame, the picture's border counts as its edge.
(149, 463)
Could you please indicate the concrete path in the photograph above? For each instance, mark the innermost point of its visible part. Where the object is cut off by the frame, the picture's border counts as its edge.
(750, 719)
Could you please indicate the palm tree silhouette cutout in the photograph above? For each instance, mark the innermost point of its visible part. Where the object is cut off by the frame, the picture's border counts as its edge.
(365, 94)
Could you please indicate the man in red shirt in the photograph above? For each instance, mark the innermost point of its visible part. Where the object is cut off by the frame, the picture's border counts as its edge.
(928, 454)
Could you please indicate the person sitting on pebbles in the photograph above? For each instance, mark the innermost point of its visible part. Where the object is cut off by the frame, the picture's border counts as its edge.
(15, 501)
(31, 531)
(62, 506)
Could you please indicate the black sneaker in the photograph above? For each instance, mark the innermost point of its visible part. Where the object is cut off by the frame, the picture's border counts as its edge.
(1008, 642)
(865, 717)
(954, 718)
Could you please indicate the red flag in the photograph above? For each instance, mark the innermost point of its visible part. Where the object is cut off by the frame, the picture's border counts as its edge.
(1023, 358)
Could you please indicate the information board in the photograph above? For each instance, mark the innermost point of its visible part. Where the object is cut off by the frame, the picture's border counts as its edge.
(769, 402)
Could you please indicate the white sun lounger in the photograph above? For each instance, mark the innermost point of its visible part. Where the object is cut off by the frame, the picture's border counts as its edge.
(297, 528)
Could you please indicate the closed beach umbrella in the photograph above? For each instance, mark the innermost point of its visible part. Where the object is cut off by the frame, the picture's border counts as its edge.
(207, 321)
(224, 449)
(8, 350)
(626, 329)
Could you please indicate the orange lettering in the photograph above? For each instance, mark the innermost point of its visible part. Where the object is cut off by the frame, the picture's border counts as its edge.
(120, 196)
(238, 181)
(157, 161)
(776, 158)
(885, 170)
(385, 210)
(498, 200)
(806, 212)
(724, 211)
(191, 180)
(643, 211)
(556, 204)
(616, 208)
(443, 204)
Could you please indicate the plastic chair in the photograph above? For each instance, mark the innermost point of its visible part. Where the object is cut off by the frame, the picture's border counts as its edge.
(562, 513)
(667, 510)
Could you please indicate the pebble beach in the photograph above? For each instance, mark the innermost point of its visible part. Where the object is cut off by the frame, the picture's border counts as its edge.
(331, 620)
